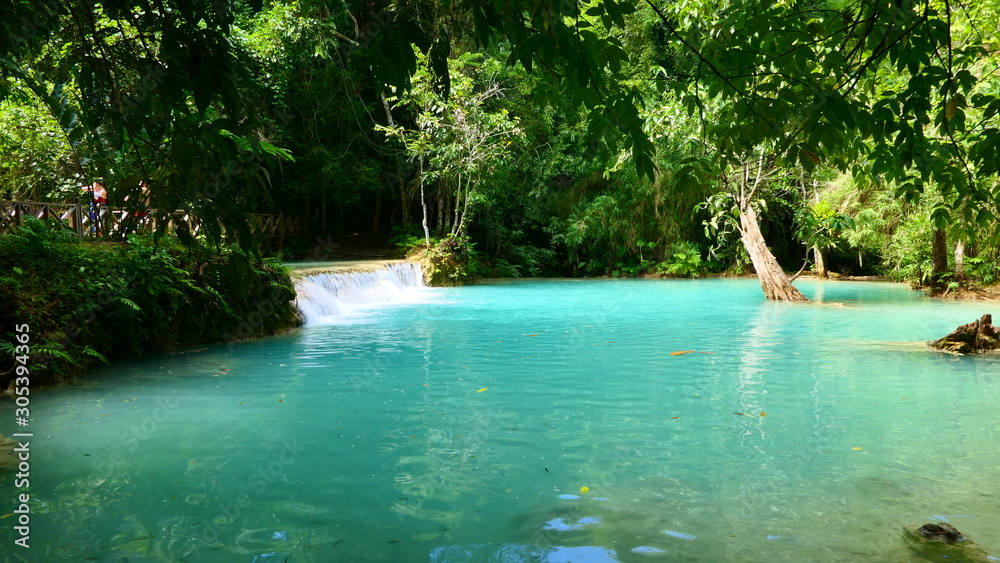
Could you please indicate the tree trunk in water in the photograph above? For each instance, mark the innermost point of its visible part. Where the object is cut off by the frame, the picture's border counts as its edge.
(939, 255)
(960, 259)
(772, 278)
(820, 263)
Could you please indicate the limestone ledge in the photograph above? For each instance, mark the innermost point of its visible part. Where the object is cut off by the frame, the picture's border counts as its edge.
(302, 270)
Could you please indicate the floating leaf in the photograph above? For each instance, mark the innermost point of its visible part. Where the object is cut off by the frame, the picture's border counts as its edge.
(745, 414)
(584, 489)
(763, 414)
(483, 389)
(681, 352)
(856, 448)
(674, 418)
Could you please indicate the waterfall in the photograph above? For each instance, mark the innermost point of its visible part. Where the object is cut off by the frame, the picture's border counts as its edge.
(331, 297)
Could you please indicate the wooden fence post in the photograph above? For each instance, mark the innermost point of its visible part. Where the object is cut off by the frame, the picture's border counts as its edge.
(77, 217)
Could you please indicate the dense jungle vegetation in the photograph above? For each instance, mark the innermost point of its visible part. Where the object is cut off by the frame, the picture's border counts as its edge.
(85, 303)
(529, 137)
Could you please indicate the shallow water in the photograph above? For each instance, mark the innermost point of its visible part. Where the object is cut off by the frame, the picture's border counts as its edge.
(534, 421)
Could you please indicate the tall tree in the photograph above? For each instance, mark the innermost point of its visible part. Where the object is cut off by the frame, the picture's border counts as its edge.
(146, 89)
(800, 76)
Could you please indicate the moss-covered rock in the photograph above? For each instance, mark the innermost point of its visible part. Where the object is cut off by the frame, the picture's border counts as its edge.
(939, 541)
(445, 263)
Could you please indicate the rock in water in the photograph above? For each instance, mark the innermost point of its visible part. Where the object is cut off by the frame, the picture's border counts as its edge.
(940, 541)
(978, 336)
(940, 532)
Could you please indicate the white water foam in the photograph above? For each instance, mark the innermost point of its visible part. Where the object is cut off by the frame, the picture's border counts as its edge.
(333, 298)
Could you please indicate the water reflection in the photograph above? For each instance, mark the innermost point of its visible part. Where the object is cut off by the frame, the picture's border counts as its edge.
(535, 422)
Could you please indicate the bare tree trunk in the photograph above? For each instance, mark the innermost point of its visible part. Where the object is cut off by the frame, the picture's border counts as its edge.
(960, 259)
(442, 208)
(460, 230)
(773, 279)
(820, 263)
(939, 255)
(458, 204)
(403, 203)
(446, 212)
(423, 205)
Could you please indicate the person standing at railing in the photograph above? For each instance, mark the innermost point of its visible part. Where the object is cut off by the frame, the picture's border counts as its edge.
(98, 204)
(143, 210)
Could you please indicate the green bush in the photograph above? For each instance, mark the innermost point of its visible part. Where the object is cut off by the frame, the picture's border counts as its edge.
(89, 301)
(682, 259)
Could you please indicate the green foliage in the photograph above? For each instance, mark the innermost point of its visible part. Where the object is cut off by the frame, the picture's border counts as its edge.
(517, 119)
(982, 270)
(87, 301)
(143, 91)
(818, 225)
(460, 137)
(38, 164)
(449, 261)
(683, 259)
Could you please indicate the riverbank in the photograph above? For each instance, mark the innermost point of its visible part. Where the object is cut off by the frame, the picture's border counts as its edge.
(82, 303)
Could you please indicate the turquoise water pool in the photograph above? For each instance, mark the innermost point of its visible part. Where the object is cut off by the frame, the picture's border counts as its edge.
(534, 421)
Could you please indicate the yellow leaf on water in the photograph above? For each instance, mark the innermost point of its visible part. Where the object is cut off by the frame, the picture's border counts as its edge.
(483, 389)
(763, 414)
(856, 448)
(681, 352)
(584, 489)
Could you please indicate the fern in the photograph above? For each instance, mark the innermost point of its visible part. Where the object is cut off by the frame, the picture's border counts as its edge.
(128, 303)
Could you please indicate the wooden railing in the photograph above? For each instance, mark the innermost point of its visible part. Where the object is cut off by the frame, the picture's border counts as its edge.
(279, 226)
(13, 213)
(78, 218)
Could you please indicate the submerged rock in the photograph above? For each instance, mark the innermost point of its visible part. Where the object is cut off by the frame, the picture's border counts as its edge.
(978, 336)
(941, 533)
(941, 541)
